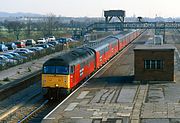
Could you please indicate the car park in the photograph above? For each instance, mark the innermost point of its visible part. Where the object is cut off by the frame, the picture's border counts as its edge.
(3, 48)
(20, 44)
(41, 41)
(30, 42)
(19, 54)
(11, 46)
(42, 45)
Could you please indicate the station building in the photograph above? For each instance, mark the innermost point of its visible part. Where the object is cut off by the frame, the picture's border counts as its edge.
(154, 62)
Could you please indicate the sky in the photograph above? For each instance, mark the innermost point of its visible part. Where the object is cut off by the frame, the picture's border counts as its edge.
(94, 8)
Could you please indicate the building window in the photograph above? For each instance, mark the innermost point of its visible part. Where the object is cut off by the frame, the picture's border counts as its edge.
(147, 64)
(153, 64)
(159, 64)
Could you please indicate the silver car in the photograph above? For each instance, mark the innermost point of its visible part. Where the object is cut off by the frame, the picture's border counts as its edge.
(9, 61)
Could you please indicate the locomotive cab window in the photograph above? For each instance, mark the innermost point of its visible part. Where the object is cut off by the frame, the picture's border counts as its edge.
(49, 69)
(62, 70)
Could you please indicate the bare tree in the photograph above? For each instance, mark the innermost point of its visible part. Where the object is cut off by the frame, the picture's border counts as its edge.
(42, 26)
(28, 26)
(47, 24)
(8, 26)
(15, 27)
(51, 18)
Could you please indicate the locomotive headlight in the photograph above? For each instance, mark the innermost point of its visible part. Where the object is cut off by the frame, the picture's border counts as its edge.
(56, 85)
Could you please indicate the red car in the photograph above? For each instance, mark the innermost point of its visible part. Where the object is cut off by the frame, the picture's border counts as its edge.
(20, 44)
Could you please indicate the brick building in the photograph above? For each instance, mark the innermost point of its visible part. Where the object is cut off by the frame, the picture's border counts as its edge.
(154, 63)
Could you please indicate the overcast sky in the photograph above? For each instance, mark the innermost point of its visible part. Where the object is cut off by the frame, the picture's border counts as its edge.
(94, 8)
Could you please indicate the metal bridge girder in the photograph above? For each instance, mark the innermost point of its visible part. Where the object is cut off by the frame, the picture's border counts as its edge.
(134, 25)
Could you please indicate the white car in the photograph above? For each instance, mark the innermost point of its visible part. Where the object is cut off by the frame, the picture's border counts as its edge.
(41, 41)
(51, 38)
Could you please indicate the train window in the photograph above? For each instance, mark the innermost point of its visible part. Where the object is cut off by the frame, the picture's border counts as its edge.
(62, 70)
(72, 69)
(49, 69)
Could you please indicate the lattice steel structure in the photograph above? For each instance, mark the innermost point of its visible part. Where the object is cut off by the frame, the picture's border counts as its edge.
(133, 25)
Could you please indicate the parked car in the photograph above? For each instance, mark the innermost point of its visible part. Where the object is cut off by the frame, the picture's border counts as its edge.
(24, 49)
(35, 49)
(51, 38)
(53, 43)
(42, 45)
(50, 45)
(71, 40)
(30, 42)
(21, 52)
(18, 56)
(3, 48)
(11, 46)
(1, 42)
(62, 40)
(9, 56)
(9, 61)
(2, 64)
(41, 41)
(20, 44)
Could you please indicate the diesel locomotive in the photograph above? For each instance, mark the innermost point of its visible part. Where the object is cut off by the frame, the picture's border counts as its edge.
(63, 73)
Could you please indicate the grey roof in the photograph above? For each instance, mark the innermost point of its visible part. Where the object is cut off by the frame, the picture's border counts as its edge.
(73, 57)
(155, 47)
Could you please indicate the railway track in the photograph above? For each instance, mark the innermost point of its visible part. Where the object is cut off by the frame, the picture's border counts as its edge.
(38, 109)
(23, 107)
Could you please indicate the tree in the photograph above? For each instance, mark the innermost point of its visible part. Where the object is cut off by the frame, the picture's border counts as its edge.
(15, 27)
(51, 18)
(47, 24)
(28, 26)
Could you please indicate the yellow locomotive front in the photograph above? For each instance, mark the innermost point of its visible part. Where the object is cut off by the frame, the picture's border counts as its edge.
(55, 77)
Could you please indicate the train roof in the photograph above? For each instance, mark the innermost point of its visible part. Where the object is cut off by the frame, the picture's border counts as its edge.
(73, 57)
(121, 35)
(97, 46)
(110, 39)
